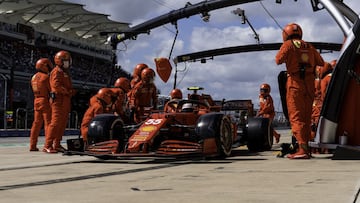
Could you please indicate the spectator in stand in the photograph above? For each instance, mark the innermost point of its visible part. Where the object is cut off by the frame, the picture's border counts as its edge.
(61, 93)
(42, 111)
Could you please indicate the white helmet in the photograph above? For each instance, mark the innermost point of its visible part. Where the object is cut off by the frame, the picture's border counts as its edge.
(188, 107)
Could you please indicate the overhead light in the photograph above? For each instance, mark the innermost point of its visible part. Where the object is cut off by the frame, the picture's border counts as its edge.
(240, 12)
(278, 1)
(205, 16)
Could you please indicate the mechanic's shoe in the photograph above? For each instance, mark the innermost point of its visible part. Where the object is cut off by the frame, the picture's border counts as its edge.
(315, 151)
(302, 153)
(324, 151)
(49, 150)
(277, 136)
(298, 156)
(35, 149)
(60, 149)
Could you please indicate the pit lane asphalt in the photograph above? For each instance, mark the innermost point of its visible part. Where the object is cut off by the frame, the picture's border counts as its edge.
(244, 177)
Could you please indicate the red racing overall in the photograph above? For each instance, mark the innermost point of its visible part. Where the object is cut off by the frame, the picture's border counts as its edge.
(301, 58)
(61, 87)
(42, 111)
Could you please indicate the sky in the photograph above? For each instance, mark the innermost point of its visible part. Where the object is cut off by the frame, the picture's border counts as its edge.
(235, 76)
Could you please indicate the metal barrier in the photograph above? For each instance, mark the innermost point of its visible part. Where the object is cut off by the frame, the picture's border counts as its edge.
(5, 98)
(22, 115)
(73, 120)
(19, 118)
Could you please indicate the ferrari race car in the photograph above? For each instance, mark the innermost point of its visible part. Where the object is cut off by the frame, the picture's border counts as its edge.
(193, 128)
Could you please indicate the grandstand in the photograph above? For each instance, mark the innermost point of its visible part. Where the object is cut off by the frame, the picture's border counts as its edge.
(30, 30)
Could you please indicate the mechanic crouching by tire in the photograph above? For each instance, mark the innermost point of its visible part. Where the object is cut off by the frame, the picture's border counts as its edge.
(61, 93)
(144, 95)
(99, 104)
(267, 109)
(300, 58)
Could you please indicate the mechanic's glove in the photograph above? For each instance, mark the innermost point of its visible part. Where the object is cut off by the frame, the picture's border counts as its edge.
(132, 108)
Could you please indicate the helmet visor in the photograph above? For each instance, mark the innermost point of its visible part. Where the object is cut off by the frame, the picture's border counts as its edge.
(264, 90)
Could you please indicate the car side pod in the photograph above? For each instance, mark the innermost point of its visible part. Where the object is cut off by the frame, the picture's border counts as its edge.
(259, 136)
(216, 130)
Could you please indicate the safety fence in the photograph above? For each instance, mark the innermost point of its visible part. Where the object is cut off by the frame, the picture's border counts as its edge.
(22, 119)
(3, 95)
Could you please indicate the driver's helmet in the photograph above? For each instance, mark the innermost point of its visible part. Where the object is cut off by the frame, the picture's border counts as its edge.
(176, 94)
(188, 107)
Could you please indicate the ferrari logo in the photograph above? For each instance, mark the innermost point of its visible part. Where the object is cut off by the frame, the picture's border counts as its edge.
(148, 128)
(297, 43)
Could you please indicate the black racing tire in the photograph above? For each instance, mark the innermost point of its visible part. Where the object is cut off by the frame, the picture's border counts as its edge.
(105, 127)
(259, 137)
(268, 139)
(282, 79)
(218, 126)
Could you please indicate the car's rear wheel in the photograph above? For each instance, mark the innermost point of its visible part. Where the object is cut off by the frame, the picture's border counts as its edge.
(224, 140)
(218, 127)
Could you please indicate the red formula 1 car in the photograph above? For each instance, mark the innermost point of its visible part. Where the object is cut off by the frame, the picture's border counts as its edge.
(194, 128)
